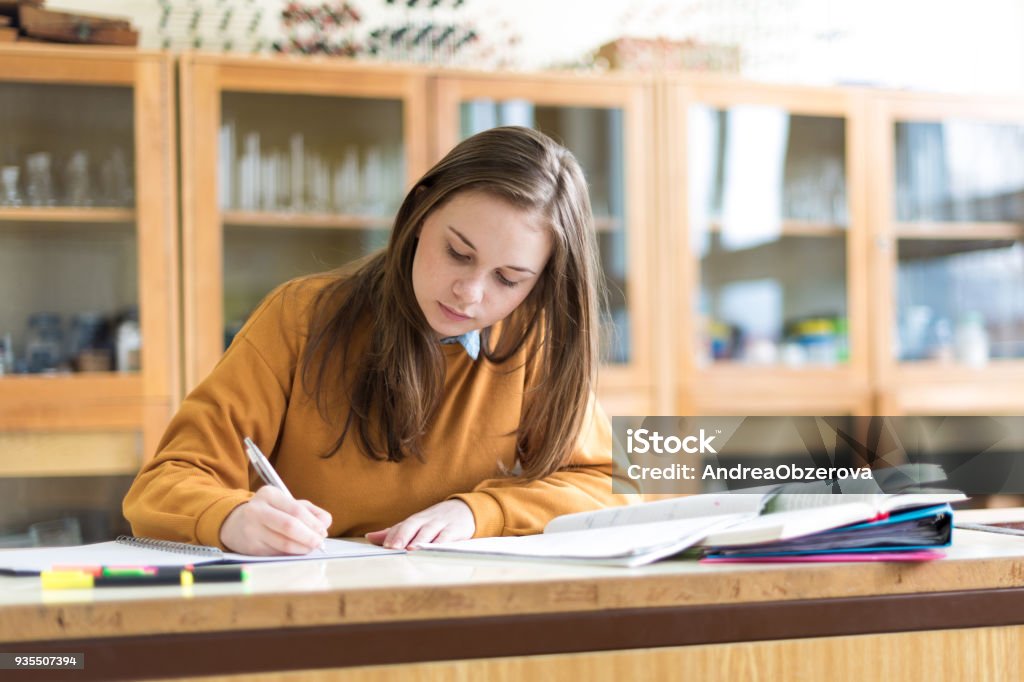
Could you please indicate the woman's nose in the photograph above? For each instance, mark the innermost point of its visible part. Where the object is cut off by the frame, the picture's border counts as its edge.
(468, 290)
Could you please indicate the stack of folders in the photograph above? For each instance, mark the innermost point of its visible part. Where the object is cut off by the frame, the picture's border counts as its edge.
(912, 533)
(741, 527)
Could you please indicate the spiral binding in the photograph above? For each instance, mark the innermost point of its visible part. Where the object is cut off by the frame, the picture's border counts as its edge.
(168, 546)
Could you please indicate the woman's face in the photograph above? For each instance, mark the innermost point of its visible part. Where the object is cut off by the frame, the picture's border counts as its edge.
(478, 257)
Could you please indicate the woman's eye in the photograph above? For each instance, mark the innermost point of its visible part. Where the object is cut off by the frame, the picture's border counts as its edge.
(461, 257)
(507, 282)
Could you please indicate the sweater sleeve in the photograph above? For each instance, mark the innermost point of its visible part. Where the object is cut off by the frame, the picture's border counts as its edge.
(507, 506)
(200, 472)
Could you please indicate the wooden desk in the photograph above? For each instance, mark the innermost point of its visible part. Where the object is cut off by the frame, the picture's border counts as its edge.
(434, 617)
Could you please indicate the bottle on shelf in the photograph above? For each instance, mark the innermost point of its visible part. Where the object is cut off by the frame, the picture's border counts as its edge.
(39, 179)
(44, 344)
(972, 344)
(129, 342)
(77, 183)
(10, 192)
(6, 355)
(942, 345)
(90, 343)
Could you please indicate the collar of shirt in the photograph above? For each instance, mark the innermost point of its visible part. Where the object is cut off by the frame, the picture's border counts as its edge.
(470, 341)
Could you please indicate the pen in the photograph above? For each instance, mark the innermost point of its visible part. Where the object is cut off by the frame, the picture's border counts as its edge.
(262, 466)
(987, 528)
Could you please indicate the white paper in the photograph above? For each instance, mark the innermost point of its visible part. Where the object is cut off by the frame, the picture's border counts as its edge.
(118, 554)
(663, 510)
(633, 545)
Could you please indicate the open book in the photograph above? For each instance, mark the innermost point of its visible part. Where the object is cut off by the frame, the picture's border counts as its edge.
(129, 551)
(726, 524)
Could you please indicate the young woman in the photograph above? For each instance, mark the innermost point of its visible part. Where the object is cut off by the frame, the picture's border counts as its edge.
(439, 390)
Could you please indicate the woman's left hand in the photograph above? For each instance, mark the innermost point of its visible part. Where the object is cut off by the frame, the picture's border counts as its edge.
(444, 522)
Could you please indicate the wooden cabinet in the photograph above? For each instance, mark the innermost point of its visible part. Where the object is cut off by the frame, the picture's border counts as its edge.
(764, 247)
(752, 235)
(290, 167)
(606, 122)
(88, 240)
(769, 250)
(947, 212)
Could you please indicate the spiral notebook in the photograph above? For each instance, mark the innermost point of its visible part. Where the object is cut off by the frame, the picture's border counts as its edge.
(132, 551)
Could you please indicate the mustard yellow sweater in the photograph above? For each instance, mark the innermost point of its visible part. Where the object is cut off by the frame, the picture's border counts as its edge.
(200, 472)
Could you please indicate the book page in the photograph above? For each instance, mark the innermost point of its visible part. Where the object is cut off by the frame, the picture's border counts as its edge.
(882, 502)
(34, 560)
(333, 549)
(694, 506)
(787, 502)
(630, 546)
(791, 524)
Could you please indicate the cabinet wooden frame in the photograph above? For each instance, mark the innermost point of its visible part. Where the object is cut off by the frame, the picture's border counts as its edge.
(204, 78)
(725, 388)
(139, 402)
(928, 387)
(636, 386)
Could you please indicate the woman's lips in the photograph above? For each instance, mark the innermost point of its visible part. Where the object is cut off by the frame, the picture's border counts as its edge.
(451, 314)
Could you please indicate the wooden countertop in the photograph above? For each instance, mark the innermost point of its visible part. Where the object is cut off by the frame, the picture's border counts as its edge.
(423, 587)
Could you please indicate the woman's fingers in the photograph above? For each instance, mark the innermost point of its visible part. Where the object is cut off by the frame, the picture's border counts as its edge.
(427, 533)
(448, 520)
(400, 534)
(453, 533)
(322, 515)
(272, 519)
(297, 510)
(377, 536)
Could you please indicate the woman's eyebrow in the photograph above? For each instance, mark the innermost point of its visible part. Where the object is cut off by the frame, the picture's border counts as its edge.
(468, 243)
(462, 237)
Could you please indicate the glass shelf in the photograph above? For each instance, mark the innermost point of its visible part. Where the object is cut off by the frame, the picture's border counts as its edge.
(306, 220)
(949, 230)
(66, 214)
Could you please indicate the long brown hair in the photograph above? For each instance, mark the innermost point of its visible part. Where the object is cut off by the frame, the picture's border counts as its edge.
(396, 384)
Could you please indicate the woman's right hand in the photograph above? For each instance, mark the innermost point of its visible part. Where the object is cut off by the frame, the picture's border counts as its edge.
(273, 523)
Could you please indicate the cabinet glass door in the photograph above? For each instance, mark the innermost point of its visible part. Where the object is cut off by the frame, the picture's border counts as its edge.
(303, 192)
(290, 167)
(769, 221)
(959, 205)
(595, 137)
(68, 248)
